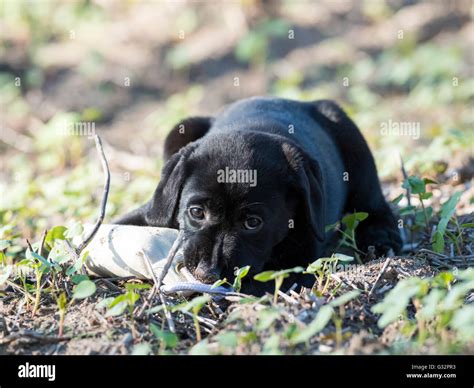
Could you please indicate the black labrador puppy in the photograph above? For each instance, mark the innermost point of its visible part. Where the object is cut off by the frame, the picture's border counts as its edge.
(257, 184)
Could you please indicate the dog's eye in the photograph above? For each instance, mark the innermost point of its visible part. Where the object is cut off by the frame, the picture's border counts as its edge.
(252, 222)
(196, 212)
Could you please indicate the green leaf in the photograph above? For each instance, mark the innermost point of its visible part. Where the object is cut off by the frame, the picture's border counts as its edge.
(317, 265)
(250, 47)
(266, 318)
(228, 339)
(416, 185)
(396, 301)
(5, 273)
(343, 258)
(444, 279)
(352, 220)
(169, 339)
(118, 299)
(430, 303)
(45, 264)
(463, 321)
(55, 233)
(219, 283)
(105, 303)
(343, 299)
(76, 267)
(447, 211)
(272, 345)
(200, 349)
(76, 279)
(467, 274)
(239, 275)
(429, 181)
(456, 294)
(264, 276)
(322, 318)
(117, 309)
(438, 242)
(407, 210)
(75, 230)
(331, 227)
(448, 208)
(62, 301)
(195, 304)
(424, 196)
(396, 200)
(84, 289)
(4, 244)
(137, 286)
(271, 275)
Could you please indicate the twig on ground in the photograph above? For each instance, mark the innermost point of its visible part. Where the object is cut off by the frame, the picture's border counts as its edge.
(210, 323)
(424, 250)
(156, 289)
(109, 284)
(34, 335)
(153, 290)
(18, 288)
(345, 281)
(461, 257)
(29, 245)
(43, 239)
(294, 294)
(288, 298)
(408, 195)
(379, 276)
(105, 194)
(169, 259)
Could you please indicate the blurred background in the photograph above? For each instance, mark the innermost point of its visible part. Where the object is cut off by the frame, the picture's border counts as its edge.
(129, 70)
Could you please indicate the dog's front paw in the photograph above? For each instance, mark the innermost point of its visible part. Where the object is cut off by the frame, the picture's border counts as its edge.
(381, 233)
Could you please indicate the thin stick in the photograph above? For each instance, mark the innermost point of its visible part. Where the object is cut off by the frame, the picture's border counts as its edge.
(109, 284)
(288, 298)
(385, 265)
(105, 194)
(18, 288)
(43, 239)
(156, 289)
(433, 253)
(344, 281)
(409, 217)
(210, 323)
(405, 177)
(170, 257)
(36, 336)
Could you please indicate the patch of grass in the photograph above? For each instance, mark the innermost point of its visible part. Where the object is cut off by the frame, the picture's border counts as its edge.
(428, 308)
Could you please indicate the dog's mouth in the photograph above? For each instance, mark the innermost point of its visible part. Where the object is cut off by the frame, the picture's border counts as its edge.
(196, 275)
(185, 272)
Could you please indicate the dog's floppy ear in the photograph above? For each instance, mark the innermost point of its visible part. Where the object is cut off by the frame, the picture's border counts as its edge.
(162, 209)
(185, 132)
(308, 182)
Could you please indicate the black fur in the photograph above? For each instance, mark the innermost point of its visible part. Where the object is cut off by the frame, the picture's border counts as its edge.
(301, 152)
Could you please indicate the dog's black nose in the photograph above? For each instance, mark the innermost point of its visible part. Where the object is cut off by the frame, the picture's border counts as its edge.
(206, 276)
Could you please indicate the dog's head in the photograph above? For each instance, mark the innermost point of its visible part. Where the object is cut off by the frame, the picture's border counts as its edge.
(236, 198)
